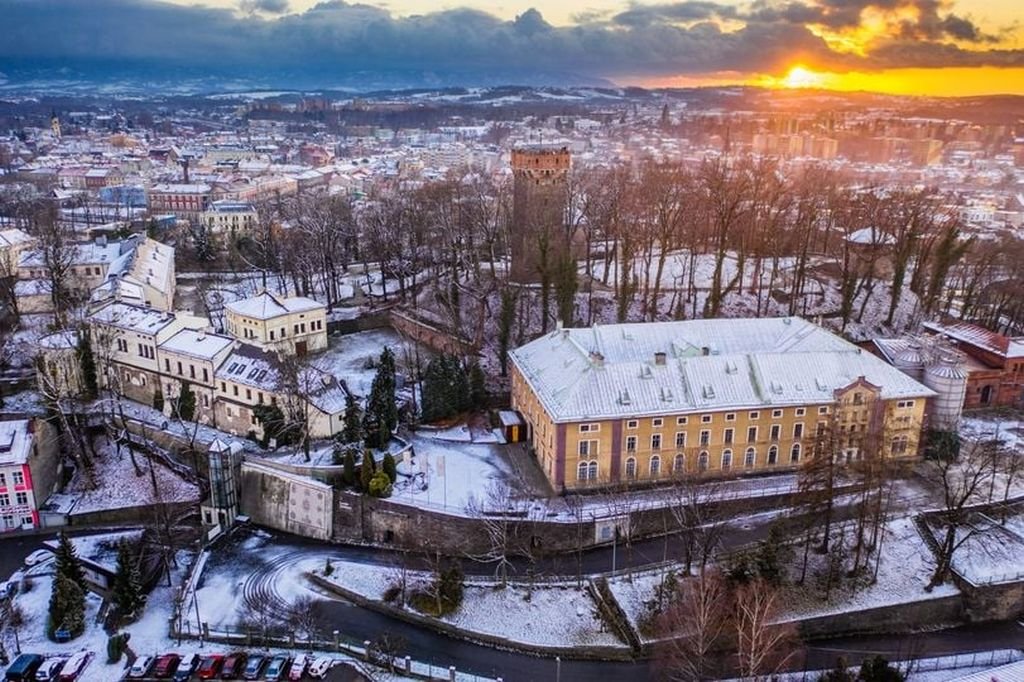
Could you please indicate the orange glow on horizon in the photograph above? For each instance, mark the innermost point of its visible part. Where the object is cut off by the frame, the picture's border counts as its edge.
(944, 82)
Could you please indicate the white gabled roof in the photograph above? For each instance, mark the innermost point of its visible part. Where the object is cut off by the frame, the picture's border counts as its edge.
(197, 344)
(133, 318)
(610, 372)
(267, 305)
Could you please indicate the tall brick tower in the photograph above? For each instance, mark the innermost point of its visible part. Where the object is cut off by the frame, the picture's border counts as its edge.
(539, 203)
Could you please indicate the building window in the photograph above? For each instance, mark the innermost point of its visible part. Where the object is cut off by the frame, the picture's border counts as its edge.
(776, 413)
(655, 466)
(589, 428)
(167, 365)
(730, 417)
(823, 409)
(904, 404)
(180, 372)
(798, 431)
(858, 398)
(726, 459)
(630, 443)
(705, 419)
(705, 437)
(206, 375)
(681, 439)
(794, 453)
(776, 428)
(681, 421)
(631, 467)
(801, 411)
(632, 424)
(773, 454)
(656, 441)
(588, 448)
(899, 445)
(749, 457)
(754, 415)
(586, 471)
(657, 422)
(5, 500)
(728, 436)
(3, 480)
(18, 478)
(751, 434)
(702, 461)
(679, 464)
(20, 498)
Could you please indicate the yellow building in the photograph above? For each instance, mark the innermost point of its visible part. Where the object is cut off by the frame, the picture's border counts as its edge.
(643, 402)
(294, 326)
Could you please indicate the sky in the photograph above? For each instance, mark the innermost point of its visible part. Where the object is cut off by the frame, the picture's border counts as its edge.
(921, 47)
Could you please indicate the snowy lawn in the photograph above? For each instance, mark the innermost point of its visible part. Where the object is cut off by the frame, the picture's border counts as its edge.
(352, 358)
(906, 567)
(23, 344)
(548, 615)
(447, 475)
(637, 597)
(993, 554)
(116, 484)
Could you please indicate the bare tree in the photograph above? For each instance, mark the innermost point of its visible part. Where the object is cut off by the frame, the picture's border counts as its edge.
(496, 513)
(694, 627)
(763, 645)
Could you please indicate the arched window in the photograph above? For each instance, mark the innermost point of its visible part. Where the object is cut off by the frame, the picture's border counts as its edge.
(679, 464)
(592, 471)
(750, 457)
(702, 460)
(726, 459)
(655, 465)
(582, 471)
(631, 467)
(773, 454)
(794, 453)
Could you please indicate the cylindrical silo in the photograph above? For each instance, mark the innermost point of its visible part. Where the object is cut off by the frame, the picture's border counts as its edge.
(910, 361)
(946, 376)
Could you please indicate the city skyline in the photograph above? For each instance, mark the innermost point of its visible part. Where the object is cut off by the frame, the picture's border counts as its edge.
(916, 47)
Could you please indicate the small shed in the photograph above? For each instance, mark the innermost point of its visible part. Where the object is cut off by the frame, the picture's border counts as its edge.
(512, 426)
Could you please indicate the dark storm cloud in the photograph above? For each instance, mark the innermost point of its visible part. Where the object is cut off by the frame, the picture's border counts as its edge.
(339, 38)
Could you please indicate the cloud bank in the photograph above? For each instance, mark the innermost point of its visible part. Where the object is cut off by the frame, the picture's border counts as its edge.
(341, 40)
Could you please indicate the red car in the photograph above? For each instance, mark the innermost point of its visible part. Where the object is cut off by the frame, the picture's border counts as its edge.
(233, 666)
(210, 666)
(166, 665)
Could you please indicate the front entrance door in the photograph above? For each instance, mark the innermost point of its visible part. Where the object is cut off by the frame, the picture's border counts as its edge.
(300, 348)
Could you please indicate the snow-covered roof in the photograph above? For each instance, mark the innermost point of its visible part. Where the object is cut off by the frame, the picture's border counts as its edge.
(133, 318)
(870, 236)
(978, 336)
(14, 237)
(267, 305)
(181, 188)
(15, 442)
(251, 366)
(197, 344)
(60, 340)
(89, 253)
(624, 370)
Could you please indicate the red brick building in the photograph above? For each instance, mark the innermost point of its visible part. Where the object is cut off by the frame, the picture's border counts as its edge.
(994, 362)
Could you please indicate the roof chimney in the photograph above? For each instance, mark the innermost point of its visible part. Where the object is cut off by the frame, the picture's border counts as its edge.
(596, 358)
(659, 358)
(704, 350)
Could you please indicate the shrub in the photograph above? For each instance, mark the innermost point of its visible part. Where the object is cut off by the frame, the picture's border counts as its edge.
(380, 485)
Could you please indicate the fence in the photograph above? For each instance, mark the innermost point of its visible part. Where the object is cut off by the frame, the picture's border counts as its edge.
(979, 659)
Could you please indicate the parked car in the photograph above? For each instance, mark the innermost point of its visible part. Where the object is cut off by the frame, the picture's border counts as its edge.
(50, 669)
(233, 666)
(141, 666)
(72, 670)
(166, 665)
(254, 667)
(298, 668)
(210, 666)
(24, 668)
(186, 666)
(320, 667)
(38, 557)
(275, 669)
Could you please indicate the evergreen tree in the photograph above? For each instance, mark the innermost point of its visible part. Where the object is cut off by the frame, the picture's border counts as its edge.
(67, 564)
(381, 416)
(506, 319)
(389, 467)
(186, 402)
(366, 471)
(67, 607)
(353, 431)
(877, 669)
(566, 285)
(127, 590)
(838, 674)
(87, 364)
(477, 387)
(158, 399)
(348, 472)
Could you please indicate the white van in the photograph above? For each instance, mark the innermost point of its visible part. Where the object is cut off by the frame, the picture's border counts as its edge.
(320, 667)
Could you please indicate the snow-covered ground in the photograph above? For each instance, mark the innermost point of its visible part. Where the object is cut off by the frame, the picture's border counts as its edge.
(905, 568)
(352, 358)
(446, 475)
(636, 595)
(116, 484)
(22, 344)
(552, 615)
(991, 554)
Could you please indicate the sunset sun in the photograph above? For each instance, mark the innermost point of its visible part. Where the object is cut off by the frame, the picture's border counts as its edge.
(801, 77)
